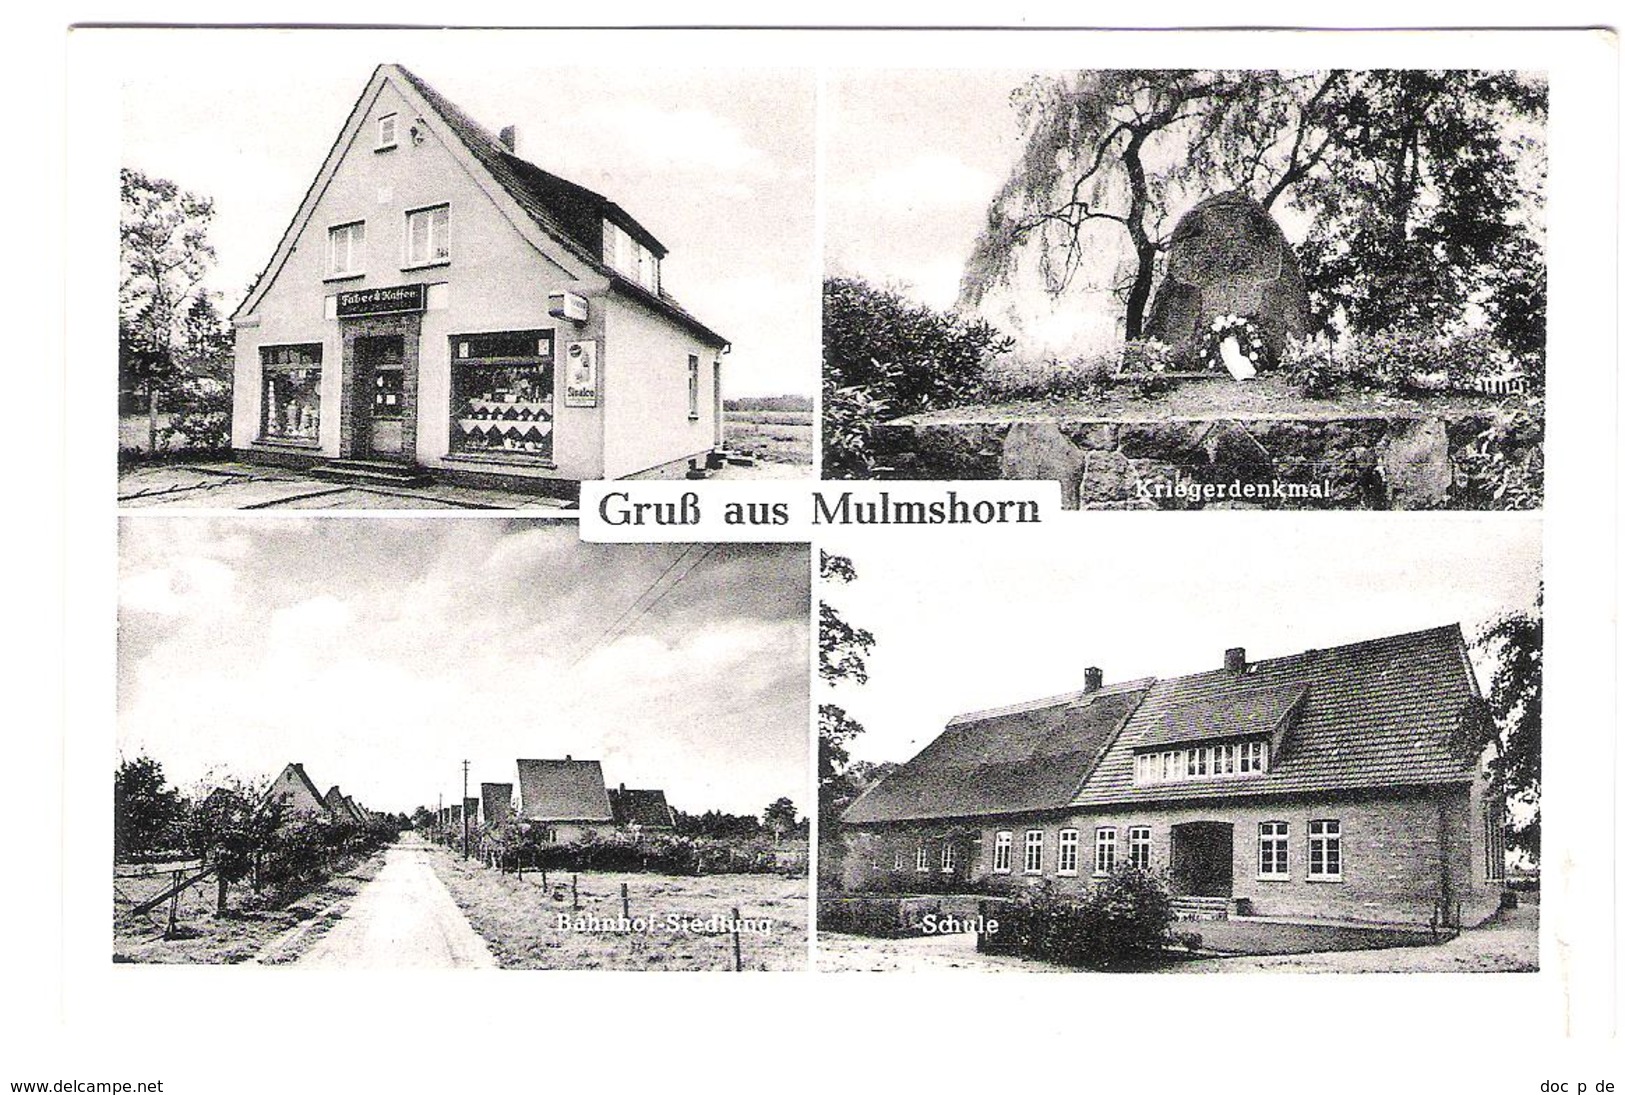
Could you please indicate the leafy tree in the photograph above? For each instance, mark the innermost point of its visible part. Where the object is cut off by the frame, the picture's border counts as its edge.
(780, 816)
(147, 812)
(164, 255)
(1516, 643)
(1413, 181)
(841, 652)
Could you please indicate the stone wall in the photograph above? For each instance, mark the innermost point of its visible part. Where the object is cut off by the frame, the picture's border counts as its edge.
(1364, 462)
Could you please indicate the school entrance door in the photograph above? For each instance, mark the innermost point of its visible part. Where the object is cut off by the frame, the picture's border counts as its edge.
(1203, 857)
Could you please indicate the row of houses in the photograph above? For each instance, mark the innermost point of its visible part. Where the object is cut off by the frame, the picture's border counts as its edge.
(563, 800)
(296, 792)
(1343, 783)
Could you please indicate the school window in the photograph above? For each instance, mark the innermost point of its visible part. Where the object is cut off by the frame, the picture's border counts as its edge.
(502, 394)
(693, 386)
(1247, 758)
(897, 860)
(1325, 851)
(1001, 853)
(1105, 850)
(1272, 849)
(428, 236)
(386, 132)
(947, 858)
(1139, 847)
(1032, 860)
(1495, 848)
(922, 858)
(1251, 759)
(346, 249)
(1066, 855)
(291, 379)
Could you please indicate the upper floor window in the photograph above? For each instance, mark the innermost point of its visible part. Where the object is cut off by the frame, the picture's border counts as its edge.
(386, 132)
(428, 235)
(1326, 850)
(1033, 853)
(347, 249)
(1001, 852)
(629, 258)
(1244, 758)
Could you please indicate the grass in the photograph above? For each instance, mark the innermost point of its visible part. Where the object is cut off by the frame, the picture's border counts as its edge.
(778, 437)
(519, 919)
(249, 925)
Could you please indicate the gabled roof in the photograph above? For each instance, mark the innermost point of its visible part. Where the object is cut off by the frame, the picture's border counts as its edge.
(1376, 714)
(497, 801)
(570, 214)
(294, 772)
(563, 790)
(645, 809)
(1012, 760)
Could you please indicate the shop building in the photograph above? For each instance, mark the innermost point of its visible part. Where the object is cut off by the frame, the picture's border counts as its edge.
(441, 308)
(1336, 784)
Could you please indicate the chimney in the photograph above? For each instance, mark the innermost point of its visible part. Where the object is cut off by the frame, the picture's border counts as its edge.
(567, 758)
(1092, 679)
(623, 788)
(509, 138)
(1235, 659)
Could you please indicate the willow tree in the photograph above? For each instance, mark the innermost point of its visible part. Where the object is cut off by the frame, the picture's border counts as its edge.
(1119, 152)
(1418, 186)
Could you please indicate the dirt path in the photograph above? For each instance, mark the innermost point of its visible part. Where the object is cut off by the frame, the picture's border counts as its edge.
(403, 918)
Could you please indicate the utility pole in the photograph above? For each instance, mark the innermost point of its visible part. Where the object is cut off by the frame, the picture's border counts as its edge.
(465, 809)
(440, 815)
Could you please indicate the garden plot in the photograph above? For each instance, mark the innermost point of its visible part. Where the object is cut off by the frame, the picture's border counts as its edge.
(677, 922)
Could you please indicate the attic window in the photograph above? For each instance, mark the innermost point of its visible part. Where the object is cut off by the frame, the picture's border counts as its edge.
(1224, 760)
(629, 258)
(386, 132)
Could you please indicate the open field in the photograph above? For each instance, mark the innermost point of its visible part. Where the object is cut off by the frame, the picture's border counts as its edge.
(778, 437)
(519, 919)
(247, 928)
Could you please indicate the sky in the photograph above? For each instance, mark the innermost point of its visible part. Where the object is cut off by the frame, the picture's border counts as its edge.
(381, 653)
(717, 162)
(982, 622)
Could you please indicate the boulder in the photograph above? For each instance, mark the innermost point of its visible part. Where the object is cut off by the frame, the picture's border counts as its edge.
(1228, 256)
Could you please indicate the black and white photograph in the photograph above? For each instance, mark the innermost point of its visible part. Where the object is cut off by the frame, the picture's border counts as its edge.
(458, 744)
(1326, 762)
(457, 284)
(1189, 289)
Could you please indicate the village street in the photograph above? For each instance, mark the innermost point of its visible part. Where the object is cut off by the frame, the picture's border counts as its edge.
(403, 918)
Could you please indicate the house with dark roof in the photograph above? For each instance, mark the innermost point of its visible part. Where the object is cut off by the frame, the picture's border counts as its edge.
(294, 790)
(565, 799)
(641, 810)
(496, 803)
(440, 307)
(1335, 784)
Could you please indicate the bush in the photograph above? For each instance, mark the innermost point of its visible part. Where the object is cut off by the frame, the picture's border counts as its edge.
(1504, 467)
(849, 418)
(1403, 362)
(885, 917)
(1053, 380)
(1119, 922)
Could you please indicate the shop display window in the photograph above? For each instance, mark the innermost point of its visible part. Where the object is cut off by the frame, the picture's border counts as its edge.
(292, 404)
(502, 394)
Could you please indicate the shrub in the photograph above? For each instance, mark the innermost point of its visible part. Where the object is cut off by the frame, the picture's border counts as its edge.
(1398, 361)
(850, 416)
(1504, 467)
(1118, 922)
(1052, 380)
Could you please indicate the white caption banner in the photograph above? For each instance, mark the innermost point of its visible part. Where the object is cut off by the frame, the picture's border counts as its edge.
(794, 511)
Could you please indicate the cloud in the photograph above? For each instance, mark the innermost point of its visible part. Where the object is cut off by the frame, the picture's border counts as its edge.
(934, 181)
(187, 587)
(688, 140)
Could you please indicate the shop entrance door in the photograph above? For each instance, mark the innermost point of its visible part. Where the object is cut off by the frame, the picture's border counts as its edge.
(380, 376)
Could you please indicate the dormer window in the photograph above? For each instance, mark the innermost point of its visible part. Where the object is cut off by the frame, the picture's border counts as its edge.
(629, 258)
(1220, 760)
(386, 132)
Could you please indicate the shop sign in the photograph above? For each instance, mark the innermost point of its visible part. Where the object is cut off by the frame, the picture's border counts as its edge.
(581, 375)
(390, 300)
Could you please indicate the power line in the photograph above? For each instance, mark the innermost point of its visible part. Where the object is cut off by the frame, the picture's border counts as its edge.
(704, 555)
(610, 633)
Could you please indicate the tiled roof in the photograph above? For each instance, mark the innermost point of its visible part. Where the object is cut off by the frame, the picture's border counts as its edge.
(1246, 712)
(498, 802)
(563, 790)
(646, 809)
(1033, 757)
(1376, 714)
(570, 213)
